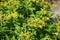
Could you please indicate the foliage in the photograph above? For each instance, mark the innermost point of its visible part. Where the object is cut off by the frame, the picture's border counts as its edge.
(28, 20)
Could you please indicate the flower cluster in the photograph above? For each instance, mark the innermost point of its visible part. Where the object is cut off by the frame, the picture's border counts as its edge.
(3, 3)
(26, 35)
(38, 23)
(43, 11)
(45, 18)
(58, 26)
(14, 15)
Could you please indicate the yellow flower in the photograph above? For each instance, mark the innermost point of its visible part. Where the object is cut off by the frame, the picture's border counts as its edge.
(38, 23)
(45, 18)
(45, 6)
(43, 1)
(8, 17)
(37, 1)
(46, 3)
(3, 3)
(43, 11)
(1, 12)
(41, 24)
(34, 1)
(37, 20)
(14, 10)
(1, 19)
(1, 15)
(58, 23)
(26, 35)
(14, 2)
(15, 15)
(58, 26)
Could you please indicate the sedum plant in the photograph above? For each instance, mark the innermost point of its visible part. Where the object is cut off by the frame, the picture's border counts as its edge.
(28, 20)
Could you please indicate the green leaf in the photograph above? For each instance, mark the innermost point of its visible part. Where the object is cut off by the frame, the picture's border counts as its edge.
(1, 29)
(13, 38)
(7, 37)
